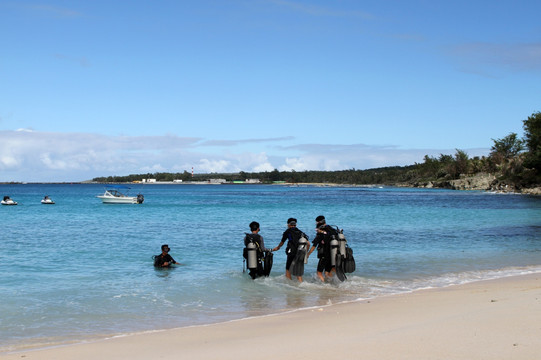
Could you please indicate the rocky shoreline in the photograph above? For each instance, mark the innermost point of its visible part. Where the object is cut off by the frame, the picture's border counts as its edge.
(483, 181)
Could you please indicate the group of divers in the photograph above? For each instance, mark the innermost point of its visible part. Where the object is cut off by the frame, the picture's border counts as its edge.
(333, 252)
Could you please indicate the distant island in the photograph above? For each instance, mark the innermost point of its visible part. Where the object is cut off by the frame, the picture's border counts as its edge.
(513, 165)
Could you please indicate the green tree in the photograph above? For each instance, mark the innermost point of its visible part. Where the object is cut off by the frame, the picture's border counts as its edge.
(186, 176)
(462, 163)
(532, 139)
(506, 148)
(294, 177)
(275, 175)
(430, 167)
(447, 168)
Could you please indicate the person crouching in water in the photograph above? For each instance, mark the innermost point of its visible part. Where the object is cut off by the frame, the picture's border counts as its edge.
(164, 259)
(322, 242)
(260, 249)
(292, 235)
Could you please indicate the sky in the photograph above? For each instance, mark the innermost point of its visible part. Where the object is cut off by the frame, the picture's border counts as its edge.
(99, 88)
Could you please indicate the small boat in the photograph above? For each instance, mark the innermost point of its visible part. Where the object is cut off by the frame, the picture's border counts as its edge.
(8, 201)
(47, 200)
(113, 196)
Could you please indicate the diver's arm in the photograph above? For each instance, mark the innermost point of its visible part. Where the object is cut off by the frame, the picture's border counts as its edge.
(279, 246)
(315, 243)
(284, 238)
(173, 261)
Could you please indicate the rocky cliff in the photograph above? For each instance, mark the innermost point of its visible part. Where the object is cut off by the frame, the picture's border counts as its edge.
(481, 181)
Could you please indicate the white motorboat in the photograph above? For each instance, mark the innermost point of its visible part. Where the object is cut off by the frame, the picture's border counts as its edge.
(47, 200)
(8, 201)
(114, 196)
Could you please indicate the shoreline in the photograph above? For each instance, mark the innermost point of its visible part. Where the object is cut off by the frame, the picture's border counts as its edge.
(463, 184)
(91, 335)
(487, 319)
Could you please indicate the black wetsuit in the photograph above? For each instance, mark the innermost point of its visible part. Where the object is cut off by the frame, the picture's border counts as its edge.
(159, 260)
(260, 249)
(292, 235)
(323, 243)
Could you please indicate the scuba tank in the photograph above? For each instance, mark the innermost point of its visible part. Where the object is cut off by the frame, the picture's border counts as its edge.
(334, 250)
(342, 243)
(304, 245)
(341, 256)
(252, 255)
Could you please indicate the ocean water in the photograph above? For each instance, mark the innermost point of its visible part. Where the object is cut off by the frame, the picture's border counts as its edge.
(81, 270)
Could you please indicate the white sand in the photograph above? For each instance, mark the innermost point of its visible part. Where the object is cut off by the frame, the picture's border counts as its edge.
(497, 319)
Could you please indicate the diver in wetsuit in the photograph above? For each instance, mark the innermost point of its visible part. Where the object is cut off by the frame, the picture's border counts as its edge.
(292, 235)
(164, 259)
(322, 242)
(256, 239)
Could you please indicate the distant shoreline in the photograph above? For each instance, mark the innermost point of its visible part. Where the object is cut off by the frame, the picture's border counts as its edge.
(188, 183)
(478, 182)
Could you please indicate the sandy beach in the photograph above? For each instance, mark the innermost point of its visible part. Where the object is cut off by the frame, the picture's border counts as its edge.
(495, 319)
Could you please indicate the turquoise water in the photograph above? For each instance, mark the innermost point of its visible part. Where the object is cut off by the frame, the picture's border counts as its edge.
(81, 270)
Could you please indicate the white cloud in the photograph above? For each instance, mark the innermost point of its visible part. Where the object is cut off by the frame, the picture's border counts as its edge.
(7, 161)
(48, 157)
(244, 141)
(53, 164)
(153, 169)
(209, 166)
(307, 162)
(263, 167)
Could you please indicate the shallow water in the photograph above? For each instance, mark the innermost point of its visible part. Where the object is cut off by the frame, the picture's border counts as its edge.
(80, 269)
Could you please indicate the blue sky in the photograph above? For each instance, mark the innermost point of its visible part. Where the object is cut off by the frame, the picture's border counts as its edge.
(98, 88)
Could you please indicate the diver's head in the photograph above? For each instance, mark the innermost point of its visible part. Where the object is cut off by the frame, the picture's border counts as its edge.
(254, 226)
(165, 248)
(320, 220)
(291, 222)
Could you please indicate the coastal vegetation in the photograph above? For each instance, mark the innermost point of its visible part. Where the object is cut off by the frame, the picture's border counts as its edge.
(513, 163)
